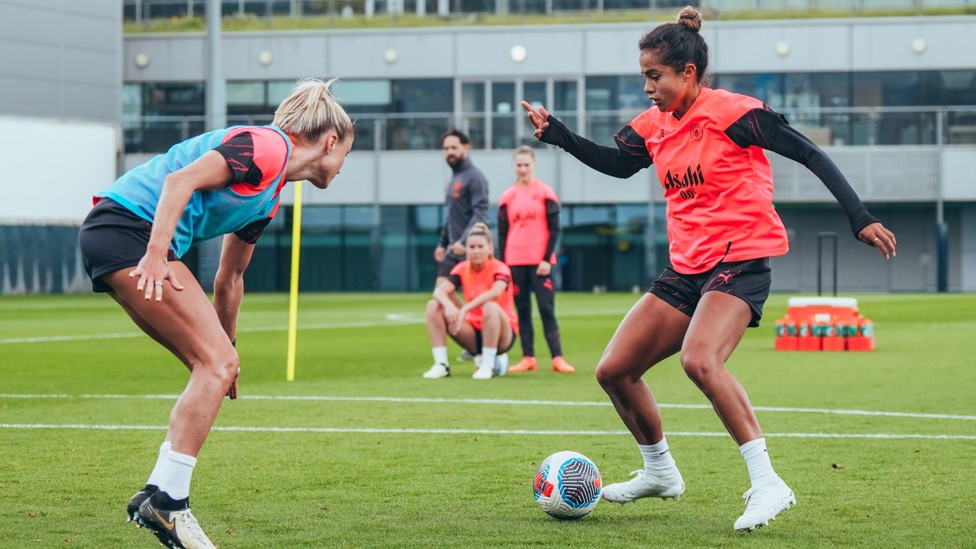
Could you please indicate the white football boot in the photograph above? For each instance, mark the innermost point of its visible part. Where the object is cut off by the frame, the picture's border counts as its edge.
(665, 485)
(763, 503)
(437, 371)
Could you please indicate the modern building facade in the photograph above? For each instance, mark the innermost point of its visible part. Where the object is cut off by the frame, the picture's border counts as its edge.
(892, 100)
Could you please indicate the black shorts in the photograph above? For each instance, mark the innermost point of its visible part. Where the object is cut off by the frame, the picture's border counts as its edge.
(478, 342)
(747, 280)
(445, 266)
(112, 238)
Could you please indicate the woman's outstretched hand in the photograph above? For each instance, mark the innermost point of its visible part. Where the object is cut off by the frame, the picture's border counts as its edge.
(878, 236)
(539, 118)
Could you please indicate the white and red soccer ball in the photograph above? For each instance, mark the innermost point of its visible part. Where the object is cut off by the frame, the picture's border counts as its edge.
(567, 485)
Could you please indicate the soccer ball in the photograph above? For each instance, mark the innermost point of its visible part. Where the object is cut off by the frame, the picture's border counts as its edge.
(567, 485)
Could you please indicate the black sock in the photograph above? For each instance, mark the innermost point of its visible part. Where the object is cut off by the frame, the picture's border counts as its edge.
(162, 501)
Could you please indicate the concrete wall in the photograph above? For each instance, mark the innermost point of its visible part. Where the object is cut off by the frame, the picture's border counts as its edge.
(61, 59)
(557, 50)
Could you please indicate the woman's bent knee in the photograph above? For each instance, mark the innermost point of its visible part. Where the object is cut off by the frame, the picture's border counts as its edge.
(223, 368)
(698, 367)
(610, 375)
(491, 310)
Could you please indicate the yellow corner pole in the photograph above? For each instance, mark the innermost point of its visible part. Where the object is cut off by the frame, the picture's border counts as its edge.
(296, 250)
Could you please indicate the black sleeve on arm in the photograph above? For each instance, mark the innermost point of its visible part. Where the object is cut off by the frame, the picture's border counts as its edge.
(252, 232)
(769, 130)
(442, 240)
(502, 232)
(478, 194)
(552, 220)
(629, 156)
(238, 151)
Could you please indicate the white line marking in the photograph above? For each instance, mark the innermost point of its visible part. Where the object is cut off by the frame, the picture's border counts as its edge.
(391, 319)
(420, 400)
(126, 335)
(364, 430)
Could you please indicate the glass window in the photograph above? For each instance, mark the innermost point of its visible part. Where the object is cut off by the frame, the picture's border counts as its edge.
(767, 88)
(590, 215)
(132, 100)
(160, 115)
(611, 103)
(950, 88)
(322, 217)
(472, 112)
(564, 96)
(278, 91)
(406, 130)
(534, 92)
(891, 89)
(359, 217)
(374, 94)
(503, 115)
(428, 95)
(246, 93)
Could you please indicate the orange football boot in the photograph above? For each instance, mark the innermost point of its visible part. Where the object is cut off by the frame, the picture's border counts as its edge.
(560, 365)
(527, 364)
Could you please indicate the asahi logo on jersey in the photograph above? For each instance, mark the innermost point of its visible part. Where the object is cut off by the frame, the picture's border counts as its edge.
(684, 180)
(521, 217)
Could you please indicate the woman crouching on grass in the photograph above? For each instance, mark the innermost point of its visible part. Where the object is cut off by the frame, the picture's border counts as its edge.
(222, 183)
(486, 322)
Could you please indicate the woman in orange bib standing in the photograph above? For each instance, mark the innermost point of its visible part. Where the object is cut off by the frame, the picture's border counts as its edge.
(707, 145)
(528, 229)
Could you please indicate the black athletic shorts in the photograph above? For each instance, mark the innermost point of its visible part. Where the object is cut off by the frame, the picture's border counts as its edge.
(478, 342)
(445, 266)
(112, 238)
(747, 280)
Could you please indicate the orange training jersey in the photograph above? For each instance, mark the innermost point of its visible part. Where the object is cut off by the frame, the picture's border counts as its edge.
(528, 229)
(474, 283)
(719, 195)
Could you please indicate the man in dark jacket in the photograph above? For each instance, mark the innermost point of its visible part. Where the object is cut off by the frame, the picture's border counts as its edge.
(466, 200)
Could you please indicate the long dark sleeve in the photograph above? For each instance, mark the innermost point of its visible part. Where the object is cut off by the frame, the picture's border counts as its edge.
(502, 232)
(627, 158)
(552, 221)
(770, 130)
(442, 240)
(478, 198)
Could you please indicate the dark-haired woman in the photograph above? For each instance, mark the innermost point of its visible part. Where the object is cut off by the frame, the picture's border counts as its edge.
(707, 146)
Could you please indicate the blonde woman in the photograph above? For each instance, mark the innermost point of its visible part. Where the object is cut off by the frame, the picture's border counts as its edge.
(486, 322)
(225, 183)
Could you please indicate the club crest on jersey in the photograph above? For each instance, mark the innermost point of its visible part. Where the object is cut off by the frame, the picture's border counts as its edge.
(696, 132)
(456, 191)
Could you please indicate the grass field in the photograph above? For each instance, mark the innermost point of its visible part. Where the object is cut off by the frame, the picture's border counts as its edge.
(360, 451)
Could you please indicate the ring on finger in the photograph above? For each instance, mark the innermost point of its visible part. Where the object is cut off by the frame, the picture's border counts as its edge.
(158, 284)
(875, 240)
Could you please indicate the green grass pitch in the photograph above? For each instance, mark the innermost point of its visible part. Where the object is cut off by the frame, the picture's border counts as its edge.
(360, 451)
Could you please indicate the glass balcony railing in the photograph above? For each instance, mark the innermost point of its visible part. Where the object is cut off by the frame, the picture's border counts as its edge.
(837, 127)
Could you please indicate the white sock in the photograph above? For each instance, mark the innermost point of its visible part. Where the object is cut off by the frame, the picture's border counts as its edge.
(164, 449)
(757, 461)
(657, 457)
(488, 357)
(178, 470)
(440, 355)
